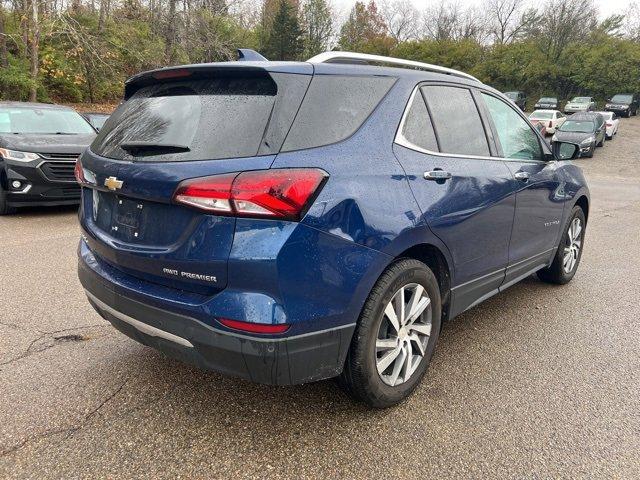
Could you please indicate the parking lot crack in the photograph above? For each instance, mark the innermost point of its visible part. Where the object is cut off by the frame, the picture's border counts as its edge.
(66, 430)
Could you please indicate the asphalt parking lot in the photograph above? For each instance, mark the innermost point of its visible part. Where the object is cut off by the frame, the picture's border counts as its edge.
(537, 382)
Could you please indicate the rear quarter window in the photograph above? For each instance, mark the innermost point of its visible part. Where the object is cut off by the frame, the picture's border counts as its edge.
(334, 108)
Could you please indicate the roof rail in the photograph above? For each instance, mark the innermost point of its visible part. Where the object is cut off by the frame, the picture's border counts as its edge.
(365, 58)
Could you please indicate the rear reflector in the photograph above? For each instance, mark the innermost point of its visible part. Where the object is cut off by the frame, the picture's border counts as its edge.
(278, 193)
(254, 327)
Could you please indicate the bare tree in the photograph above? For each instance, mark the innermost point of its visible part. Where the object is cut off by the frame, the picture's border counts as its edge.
(449, 21)
(631, 25)
(507, 19)
(402, 19)
(564, 22)
(440, 21)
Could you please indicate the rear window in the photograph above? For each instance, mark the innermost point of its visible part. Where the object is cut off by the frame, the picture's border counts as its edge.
(334, 108)
(222, 117)
(539, 115)
(456, 120)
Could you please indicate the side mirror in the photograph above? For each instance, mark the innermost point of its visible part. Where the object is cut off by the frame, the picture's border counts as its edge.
(565, 150)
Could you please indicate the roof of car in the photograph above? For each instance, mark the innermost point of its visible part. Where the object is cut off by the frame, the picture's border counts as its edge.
(34, 105)
(584, 116)
(302, 68)
(544, 110)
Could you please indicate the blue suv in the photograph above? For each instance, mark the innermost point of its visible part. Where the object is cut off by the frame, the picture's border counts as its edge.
(290, 222)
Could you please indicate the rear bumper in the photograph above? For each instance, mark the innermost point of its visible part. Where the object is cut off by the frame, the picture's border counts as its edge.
(276, 361)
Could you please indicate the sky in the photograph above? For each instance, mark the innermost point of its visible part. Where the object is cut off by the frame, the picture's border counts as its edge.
(606, 7)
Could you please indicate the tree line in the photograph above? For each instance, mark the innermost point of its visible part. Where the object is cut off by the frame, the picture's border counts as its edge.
(83, 50)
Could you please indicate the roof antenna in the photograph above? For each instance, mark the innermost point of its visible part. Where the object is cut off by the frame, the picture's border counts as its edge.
(248, 55)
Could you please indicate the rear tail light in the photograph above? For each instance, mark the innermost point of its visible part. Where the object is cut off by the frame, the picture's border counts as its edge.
(277, 193)
(79, 173)
(609, 124)
(254, 327)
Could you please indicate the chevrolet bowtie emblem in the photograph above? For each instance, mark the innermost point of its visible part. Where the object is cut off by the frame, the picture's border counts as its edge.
(112, 183)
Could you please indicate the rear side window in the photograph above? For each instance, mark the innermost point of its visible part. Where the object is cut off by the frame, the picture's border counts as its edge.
(221, 117)
(417, 129)
(334, 107)
(456, 120)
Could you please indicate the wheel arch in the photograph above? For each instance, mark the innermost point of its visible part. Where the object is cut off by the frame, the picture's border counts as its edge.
(583, 203)
(435, 259)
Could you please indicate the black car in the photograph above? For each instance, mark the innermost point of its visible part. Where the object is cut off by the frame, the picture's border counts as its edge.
(624, 104)
(586, 129)
(96, 119)
(547, 103)
(519, 98)
(39, 146)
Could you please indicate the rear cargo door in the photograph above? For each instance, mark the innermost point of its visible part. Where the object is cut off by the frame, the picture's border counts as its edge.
(181, 125)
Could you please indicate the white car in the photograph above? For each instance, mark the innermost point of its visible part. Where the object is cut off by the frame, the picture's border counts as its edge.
(551, 119)
(611, 121)
(580, 104)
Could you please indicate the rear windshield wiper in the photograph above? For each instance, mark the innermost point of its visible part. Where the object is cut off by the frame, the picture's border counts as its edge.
(152, 148)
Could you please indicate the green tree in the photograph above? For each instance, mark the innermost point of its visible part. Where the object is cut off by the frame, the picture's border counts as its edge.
(282, 39)
(317, 21)
(365, 30)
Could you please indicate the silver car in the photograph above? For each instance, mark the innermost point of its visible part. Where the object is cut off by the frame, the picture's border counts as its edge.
(580, 104)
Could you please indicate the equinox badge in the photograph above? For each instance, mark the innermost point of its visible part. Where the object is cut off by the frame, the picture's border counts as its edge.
(112, 183)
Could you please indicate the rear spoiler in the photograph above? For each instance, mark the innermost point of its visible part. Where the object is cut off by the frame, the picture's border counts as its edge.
(249, 62)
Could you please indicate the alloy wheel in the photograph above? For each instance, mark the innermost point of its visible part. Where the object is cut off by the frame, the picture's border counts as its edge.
(403, 334)
(573, 244)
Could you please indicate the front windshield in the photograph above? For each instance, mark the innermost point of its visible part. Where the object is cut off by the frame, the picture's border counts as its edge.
(581, 100)
(43, 121)
(98, 121)
(511, 95)
(540, 115)
(622, 98)
(580, 126)
(547, 100)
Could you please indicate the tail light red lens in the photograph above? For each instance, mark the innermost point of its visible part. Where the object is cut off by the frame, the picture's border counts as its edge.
(277, 193)
(609, 124)
(79, 173)
(254, 327)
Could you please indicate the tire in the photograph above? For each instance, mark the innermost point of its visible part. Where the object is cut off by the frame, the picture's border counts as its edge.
(591, 151)
(5, 209)
(556, 272)
(601, 143)
(360, 377)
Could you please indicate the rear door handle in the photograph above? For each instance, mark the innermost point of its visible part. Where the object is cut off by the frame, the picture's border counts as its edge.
(522, 176)
(437, 175)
